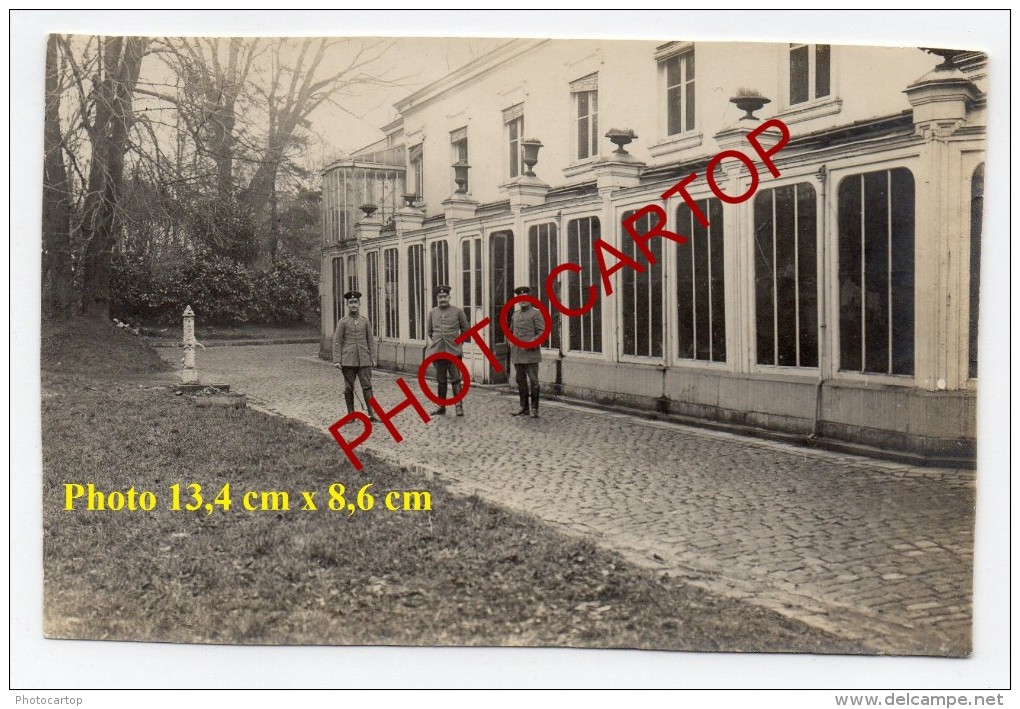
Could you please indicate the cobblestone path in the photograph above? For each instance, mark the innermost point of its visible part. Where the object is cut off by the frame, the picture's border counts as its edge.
(874, 551)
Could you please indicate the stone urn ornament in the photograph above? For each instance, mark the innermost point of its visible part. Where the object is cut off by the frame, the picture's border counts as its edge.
(368, 209)
(749, 101)
(460, 175)
(621, 138)
(531, 147)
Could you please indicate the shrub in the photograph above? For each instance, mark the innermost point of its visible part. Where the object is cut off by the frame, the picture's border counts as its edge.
(219, 290)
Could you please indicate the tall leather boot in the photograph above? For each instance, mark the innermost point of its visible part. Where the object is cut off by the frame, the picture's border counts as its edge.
(460, 404)
(523, 394)
(349, 400)
(367, 393)
(441, 410)
(534, 403)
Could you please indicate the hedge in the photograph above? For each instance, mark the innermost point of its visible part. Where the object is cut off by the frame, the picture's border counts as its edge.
(219, 290)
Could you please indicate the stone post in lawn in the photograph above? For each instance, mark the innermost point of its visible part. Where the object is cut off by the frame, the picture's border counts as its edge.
(189, 375)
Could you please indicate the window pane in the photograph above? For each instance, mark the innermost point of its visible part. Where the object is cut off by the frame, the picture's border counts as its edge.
(876, 272)
(977, 199)
(542, 258)
(689, 109)
(594, 123)
(877, 295)
(465, 264)
(338, 289)
(821, 70)
(582, 138)
(641, 306)
(764, 274)
(595, 314)
(673, 96)
(673, 77)
(786, 277)
(902, 275)
(685, 294)
(478, 274)
(850, 323)
(799, 74)
(702, 313)
(718, 294)
(807, 274)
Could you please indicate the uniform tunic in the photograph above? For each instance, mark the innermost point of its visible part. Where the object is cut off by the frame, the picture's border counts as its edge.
(445, 325)
(353, 342)
(528, 326)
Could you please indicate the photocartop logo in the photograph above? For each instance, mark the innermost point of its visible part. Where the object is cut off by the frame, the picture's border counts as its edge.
(606, 270)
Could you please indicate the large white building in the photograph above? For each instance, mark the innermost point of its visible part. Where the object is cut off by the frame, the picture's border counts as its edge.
(840, 301)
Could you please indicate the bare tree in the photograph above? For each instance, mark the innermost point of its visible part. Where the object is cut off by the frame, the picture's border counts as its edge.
(298, 84)
(57, 286)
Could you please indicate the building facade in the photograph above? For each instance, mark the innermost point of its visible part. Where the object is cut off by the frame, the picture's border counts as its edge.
(839, 301)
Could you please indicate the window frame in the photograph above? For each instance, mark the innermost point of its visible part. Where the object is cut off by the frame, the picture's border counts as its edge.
(589, 275)
(439, 253)
(373, 290)
(416, 297)
(513, 121)
(811, 370)
(470, 281)
(835, 319)
(391, 295)
(687, 86)
(717, 224)
(546, 245)
(588, 86)
(629, 247)
(812, 74)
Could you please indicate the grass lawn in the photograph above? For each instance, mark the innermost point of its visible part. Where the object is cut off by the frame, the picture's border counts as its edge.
(465, 573)
(239, 333)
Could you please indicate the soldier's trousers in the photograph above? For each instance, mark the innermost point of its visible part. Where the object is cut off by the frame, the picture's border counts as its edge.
(527, 384)
(446, 372)
(364, 376)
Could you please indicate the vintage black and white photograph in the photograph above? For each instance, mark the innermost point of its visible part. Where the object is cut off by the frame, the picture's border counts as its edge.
(497, 341)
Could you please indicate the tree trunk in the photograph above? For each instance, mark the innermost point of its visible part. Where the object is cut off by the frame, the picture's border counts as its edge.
(57, 285)
(123, 59)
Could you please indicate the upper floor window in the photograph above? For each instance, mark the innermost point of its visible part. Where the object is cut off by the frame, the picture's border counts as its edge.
(513, 119)
(416, 159)
(585, 92)
(679, 70)
(809, 72)
(459, 145)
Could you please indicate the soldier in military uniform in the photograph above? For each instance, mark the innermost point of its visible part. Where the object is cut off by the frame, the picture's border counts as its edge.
(528, 325)
(354, 351)
(446, 323)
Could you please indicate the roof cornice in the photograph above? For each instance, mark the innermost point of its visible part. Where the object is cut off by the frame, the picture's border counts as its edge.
(469, 72)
